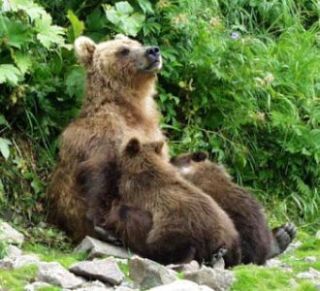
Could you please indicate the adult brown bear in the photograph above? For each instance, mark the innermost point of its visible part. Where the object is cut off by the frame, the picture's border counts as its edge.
(121, 76)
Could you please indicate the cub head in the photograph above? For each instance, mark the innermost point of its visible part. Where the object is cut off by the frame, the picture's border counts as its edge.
(197, 164)
(137, 157)
(121, 59)
(188, 163)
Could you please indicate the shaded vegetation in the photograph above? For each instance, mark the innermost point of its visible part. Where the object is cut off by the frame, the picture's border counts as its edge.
(240, 80)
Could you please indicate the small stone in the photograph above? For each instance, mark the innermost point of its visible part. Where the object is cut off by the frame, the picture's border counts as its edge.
(25, 260)
(273, 263)
(220, 264)
(94, 286)
(55, 274)
(310, 259)
(181, 285)
(293, 246)
(147, 274)
(123, 288)
(13, 251)
(106, 270)
(9, 235)
(36, 286)
(19, 262)
(312, 274)
(276, 263)
(190, 267)
(97, 248)
(216, 279)
(6, 263)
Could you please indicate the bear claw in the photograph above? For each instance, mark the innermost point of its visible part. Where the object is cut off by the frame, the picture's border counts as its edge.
(282, 237)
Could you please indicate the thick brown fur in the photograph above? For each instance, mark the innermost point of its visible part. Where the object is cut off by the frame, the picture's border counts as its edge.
(244, 210)
(186, 222)
(118, 105)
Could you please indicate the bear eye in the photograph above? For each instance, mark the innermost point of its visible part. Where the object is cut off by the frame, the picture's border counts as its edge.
(124, 51)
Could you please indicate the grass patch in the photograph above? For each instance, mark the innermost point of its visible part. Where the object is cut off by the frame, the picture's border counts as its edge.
(251, 277)
(17, 279)
(65, 258)
(3, 249)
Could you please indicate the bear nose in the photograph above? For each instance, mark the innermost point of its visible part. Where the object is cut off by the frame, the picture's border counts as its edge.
(153, 52)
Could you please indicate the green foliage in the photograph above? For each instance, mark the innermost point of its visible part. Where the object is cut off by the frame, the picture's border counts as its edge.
(3, 249)
(17, 279)
(35, 66)
(240, 80)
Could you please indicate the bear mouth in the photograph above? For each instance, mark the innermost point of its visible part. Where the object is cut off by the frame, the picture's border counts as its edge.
(155, 66)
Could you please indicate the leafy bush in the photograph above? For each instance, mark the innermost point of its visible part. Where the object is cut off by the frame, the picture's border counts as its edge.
(240, 80)
(39, 93)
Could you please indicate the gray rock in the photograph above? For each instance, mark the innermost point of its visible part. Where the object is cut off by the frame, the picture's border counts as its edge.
(147, 274)
(36, 286)
(293, 246)
(19, 261)
(106, 270)
(181, 285)
(25, 260)
(312, 274)
(190, 267)
(97, 248)
(10, 235)
(216, 279)
(92, 286)
(6, 263)
(310, 259)
(123, 288)
(55, 274)
(13, 251)
(273, 263)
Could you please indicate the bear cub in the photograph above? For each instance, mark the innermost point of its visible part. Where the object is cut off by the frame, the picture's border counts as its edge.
(258, 243)
(186, 223)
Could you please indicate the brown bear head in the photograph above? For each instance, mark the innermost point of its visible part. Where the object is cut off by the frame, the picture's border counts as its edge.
(137, 157)
(121, 62)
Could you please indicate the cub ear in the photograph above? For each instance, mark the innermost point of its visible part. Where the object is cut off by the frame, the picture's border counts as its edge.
(121, 36)
(133, 147)
(158, 146)
(84, 48)
(199, 156)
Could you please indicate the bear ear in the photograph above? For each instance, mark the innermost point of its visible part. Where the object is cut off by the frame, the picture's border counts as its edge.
(158, 146)
(84, 48)
(199, 156)
(121, 36)
(133, 147)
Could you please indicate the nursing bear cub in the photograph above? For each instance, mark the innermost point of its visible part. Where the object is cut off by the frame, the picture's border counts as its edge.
(163, 217)
(258, 243)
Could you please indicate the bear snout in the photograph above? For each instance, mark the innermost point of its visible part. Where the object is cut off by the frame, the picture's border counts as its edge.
(153, 53)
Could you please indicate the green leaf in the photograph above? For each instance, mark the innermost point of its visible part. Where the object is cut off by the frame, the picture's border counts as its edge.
(146, 6)
(23, 61)
(124, 7)
(4, 147)
(14, 32)
(9, 73)
(49, 34)
(3, 121)
(32, 9)
(77, 25)
(124, 18)
(75, 82)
